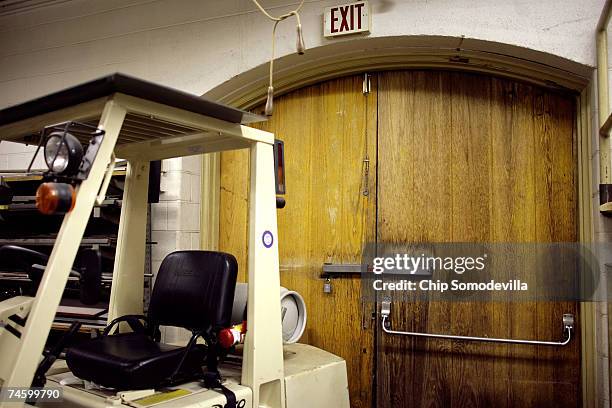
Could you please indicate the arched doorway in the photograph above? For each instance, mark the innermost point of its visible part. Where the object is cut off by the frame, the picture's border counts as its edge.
(443, 156)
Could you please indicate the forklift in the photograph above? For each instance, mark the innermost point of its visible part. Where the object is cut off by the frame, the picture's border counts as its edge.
(82, 131)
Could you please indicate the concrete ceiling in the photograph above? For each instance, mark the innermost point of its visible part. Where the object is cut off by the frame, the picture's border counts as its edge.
(8, 7)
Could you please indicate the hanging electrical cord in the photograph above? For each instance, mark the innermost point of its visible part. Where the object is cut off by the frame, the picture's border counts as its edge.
(299, 47)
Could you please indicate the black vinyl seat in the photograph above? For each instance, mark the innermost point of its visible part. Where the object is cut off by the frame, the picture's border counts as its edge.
(132, 361)
(193, 290)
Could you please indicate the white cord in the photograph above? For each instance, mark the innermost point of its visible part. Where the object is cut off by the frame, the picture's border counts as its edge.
(300, 46)
(281, 17)
(273, 47)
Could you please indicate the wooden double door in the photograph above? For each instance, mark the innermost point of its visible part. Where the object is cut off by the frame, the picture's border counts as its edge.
(425, 156)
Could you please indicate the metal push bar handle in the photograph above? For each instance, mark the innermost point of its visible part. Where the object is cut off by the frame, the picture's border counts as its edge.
(568, 327)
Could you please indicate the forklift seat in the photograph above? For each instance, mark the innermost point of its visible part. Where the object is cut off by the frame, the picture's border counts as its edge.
(193, 290)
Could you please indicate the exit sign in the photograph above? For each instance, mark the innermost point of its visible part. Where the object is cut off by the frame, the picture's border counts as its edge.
(349, 18)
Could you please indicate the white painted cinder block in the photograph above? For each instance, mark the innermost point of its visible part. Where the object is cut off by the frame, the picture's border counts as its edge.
(171, 164)
(154, 269)
(159, 216)
(196, 188)
(192, 164)
(183, 240)
(195, 240)
(173, 214)
(175, 186)
(183, 216)
(19, 161)
(165, 243)
(190, 217)
(10, 147)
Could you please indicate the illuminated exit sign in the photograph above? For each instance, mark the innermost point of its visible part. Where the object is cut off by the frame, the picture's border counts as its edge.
(349, 18)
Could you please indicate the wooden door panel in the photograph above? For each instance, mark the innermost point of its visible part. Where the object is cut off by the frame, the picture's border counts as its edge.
(461, 158)
(327, 128)
(413, 183)
(471, 220)
(470, 158)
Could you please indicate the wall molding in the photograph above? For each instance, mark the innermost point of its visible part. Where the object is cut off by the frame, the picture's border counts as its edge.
(248, 89)
(589, 320)
(210, 195)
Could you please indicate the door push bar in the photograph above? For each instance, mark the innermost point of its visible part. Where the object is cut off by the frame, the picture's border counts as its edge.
(568, 327)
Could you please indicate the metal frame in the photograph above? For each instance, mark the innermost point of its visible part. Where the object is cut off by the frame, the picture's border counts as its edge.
(25, 354)
(127, 288)
(263, 367)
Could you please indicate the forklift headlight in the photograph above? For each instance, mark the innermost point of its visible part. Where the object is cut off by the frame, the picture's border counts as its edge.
(63, 153)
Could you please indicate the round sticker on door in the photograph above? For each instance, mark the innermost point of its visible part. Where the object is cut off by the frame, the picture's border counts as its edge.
(267, 238)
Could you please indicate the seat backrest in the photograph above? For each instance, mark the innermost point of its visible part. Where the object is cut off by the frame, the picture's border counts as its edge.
(194, 290)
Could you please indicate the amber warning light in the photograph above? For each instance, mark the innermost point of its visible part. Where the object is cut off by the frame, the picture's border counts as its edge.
(55, 198)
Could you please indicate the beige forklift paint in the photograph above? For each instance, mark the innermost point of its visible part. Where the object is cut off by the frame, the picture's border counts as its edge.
(272, 375)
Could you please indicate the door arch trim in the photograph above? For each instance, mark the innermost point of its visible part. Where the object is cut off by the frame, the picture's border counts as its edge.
(344, 58)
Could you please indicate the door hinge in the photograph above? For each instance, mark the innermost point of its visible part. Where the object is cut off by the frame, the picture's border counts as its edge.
(367, 84)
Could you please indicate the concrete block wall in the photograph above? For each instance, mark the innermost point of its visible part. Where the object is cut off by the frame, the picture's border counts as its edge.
(175, 220)
(15, 156)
